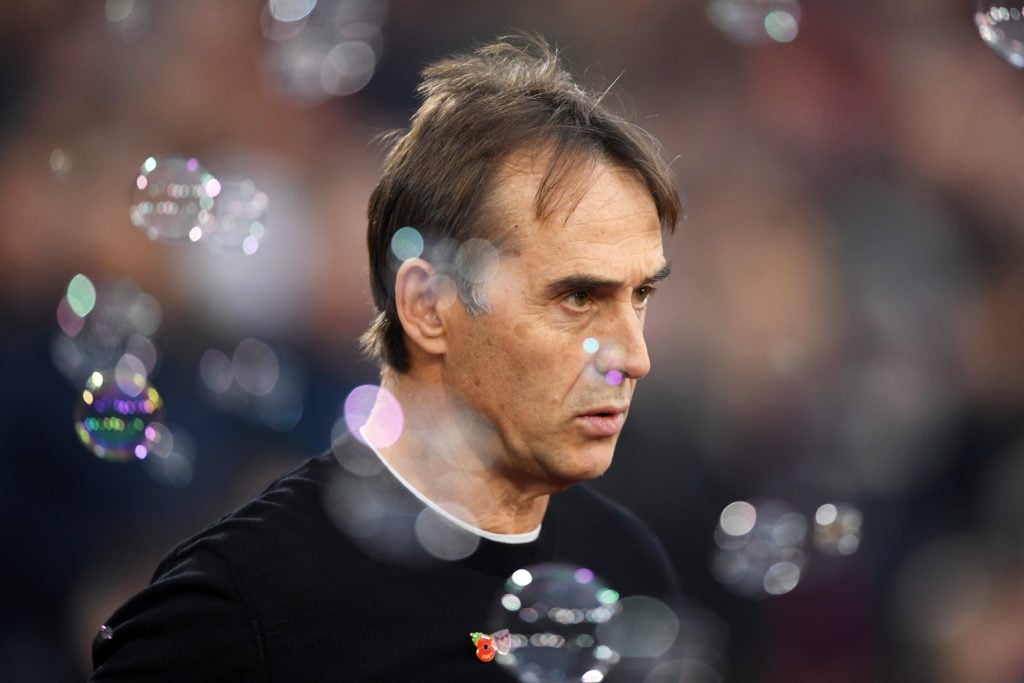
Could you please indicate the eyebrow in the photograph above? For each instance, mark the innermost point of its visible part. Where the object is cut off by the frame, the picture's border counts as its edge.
(573, 283)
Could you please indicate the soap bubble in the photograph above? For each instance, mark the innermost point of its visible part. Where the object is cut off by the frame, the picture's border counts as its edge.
(1001, 26)
(752, 22)
(237, 224)
(172, 198)
(115, 419)
(554, 614)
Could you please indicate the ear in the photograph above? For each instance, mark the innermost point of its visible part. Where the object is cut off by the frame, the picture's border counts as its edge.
(422, 296)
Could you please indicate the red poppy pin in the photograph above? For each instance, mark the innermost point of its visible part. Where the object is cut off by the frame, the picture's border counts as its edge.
(487, 646)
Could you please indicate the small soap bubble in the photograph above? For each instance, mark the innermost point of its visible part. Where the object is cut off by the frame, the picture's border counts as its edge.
(106, 633)
(407, 243)
(738, 518)
(369, 400)
(591, 345)
(837, 528)
(173, 198)
(1001, 26)
(113, 424)
(238, 219)
(554, 614)
(752, 22)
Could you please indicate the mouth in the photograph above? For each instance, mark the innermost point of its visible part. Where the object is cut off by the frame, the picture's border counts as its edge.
(603, 422)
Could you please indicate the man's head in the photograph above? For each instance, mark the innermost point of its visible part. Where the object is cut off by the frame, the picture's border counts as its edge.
(479, 111)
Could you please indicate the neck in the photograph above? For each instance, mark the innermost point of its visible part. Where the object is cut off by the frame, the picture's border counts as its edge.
(454, 457)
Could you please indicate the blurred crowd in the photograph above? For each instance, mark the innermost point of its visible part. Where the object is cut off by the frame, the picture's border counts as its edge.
(844, 325)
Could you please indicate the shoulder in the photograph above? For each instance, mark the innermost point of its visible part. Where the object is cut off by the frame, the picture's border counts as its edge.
(288, 511)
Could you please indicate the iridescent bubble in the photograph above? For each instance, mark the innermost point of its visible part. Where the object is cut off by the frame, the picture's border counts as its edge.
(114, 424)
(837, 528)
(554, 614)
(237, 224)
(407, 243)
(1001, 26)
(591, 345)
(738, 518)
(751, 22)
(370, 401)
(173, 198)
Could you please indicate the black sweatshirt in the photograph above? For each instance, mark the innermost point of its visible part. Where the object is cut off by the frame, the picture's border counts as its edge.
(322, 577)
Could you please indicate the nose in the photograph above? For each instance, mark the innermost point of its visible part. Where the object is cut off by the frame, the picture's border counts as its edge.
(628, 351)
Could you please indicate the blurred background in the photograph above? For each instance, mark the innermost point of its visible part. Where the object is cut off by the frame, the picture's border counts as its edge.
(830, 445)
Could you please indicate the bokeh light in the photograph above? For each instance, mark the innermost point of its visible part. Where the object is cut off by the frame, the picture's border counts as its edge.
(554, 613)
(1001, 26)
(122, 319)
(752, 22)
(172, 198)
(371, 401)
(258, 382)
(172, 454)
(760, 548)
(837, 528)
(323, 49)
(115, 424)
(407, 243)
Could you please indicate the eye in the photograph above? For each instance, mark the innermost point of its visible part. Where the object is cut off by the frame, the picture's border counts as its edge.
(641, 295)
(578, 299)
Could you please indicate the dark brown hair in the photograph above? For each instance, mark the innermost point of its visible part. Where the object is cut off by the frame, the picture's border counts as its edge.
(478, 108)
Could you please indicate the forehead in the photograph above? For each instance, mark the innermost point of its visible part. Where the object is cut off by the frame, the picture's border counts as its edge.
(598, 211)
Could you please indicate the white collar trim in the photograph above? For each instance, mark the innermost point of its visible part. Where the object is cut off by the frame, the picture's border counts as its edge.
(512, 539)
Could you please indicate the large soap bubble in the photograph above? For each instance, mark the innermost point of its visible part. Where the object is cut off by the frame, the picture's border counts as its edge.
(173, 198)
(545, 626)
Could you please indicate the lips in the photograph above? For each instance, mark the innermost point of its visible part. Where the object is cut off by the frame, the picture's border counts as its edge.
(603, 422)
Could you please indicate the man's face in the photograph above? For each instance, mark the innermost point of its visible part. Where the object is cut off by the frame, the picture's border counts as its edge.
(554, 362)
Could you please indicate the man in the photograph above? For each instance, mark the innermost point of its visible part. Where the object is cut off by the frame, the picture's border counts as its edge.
(515, 240)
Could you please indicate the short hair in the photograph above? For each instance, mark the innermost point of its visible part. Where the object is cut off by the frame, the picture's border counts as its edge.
(479, 108)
